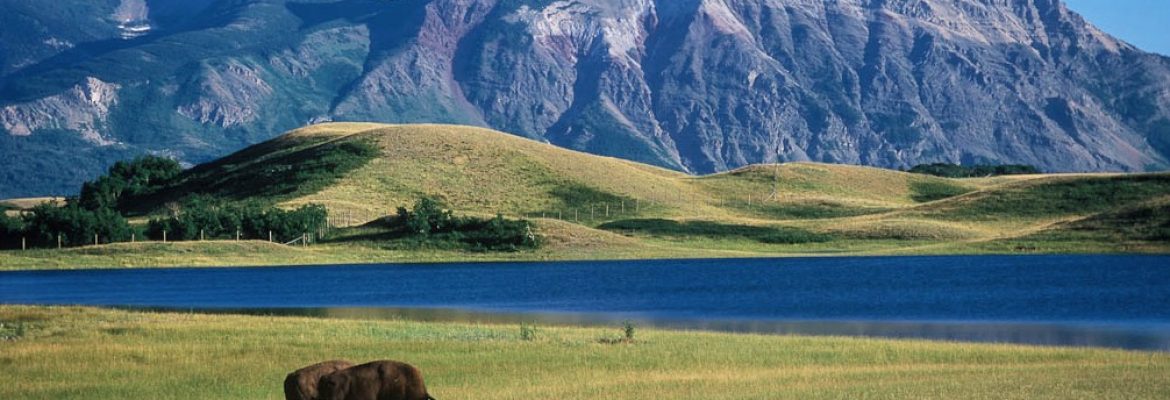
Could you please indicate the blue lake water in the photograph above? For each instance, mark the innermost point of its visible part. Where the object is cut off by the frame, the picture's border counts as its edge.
(1105, 301)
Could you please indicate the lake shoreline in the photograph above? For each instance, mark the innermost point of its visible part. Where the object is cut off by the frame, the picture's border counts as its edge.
(1103, 300)
(259, 254)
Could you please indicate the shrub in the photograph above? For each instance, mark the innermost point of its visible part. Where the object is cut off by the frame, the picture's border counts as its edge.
(427, 223)
(527, 331)
(959, 171)
(628, 330)
(762, 234)
(927, 191)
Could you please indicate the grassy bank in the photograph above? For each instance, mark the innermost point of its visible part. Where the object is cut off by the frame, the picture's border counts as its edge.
(83, 353)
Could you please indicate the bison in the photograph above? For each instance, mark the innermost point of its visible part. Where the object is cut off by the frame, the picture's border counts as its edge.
(302, 383)
(377, 380)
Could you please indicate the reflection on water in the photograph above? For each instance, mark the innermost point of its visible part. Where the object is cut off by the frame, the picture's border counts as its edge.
(1124, 336)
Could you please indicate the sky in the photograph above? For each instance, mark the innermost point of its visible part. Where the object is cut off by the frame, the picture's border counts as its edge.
(1143, 23)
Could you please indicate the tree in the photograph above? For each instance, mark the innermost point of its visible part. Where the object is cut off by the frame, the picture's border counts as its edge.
(219, 220)
(11, 230)
(427, 217)
(127, 179)
(75, 225)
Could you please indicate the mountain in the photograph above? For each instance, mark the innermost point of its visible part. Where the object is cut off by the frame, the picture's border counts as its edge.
(698, 86)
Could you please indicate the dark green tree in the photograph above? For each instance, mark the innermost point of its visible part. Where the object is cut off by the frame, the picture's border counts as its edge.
(127, 179)
(11, 229)
(427, 217)
(77, 226)
(218, 220)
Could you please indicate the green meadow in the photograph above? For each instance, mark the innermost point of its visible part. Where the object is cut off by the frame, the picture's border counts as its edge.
(85, 353)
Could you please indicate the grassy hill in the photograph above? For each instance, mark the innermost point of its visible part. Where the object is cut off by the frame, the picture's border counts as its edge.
(598, 207)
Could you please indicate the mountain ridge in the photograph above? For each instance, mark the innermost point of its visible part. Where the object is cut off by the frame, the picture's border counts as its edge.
(698, 85)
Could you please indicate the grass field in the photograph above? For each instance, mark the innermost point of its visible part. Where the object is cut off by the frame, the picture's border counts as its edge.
(84, 353)
(591, 207)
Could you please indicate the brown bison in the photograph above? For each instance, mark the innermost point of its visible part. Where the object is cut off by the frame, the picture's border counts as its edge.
(377, 380)
(302, 383)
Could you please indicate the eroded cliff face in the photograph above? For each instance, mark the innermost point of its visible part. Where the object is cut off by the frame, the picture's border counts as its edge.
(84, 108)
(696, 85)
(709, 85)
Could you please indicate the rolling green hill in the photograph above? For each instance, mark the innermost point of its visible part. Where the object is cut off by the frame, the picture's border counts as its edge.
(590, 206)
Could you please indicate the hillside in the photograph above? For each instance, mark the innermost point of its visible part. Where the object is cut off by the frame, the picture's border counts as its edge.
(700, 86)
(483, 171)
(597, 207)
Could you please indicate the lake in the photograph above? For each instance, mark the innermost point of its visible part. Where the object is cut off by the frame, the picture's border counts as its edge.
(1065, 300)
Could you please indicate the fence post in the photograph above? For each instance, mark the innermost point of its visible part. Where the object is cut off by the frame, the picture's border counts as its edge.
(58, 241)
(237, 235)
(607, 210)
(304, 240)
(270, 236)
(22, 244)
(200, 235)
(164, 236)
(95, 239)
(133, 238)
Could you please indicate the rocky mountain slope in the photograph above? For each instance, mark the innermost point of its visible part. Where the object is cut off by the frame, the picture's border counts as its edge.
(694, 85)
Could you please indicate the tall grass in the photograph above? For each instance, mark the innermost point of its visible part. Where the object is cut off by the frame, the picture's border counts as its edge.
(82, 353)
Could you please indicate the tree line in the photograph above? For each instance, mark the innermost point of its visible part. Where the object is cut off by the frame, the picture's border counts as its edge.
(429, 224)
(96, 214)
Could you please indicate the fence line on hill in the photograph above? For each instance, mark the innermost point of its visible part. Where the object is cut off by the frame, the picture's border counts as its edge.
(592, 213)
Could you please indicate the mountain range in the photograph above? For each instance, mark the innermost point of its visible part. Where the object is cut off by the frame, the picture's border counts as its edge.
(697, 86)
